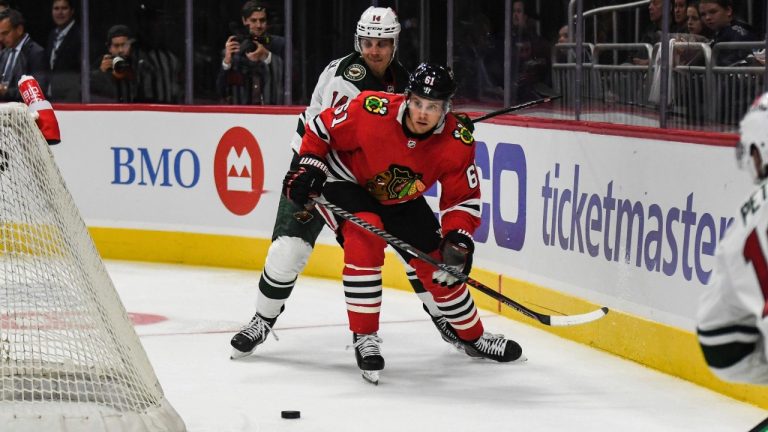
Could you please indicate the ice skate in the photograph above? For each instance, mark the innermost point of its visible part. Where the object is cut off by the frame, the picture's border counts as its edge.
(495, 347)
(251, 336)
(368, 355)
(446, 331)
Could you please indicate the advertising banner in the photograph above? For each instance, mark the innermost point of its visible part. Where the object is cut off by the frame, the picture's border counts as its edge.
(630, 222)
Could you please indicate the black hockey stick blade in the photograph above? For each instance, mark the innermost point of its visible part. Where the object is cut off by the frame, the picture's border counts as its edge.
(515, 108)
(550, 320)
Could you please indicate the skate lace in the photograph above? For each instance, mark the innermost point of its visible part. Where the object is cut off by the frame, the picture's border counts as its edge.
(258, 328)
(444, 327)
(368, 345)
(492, 344)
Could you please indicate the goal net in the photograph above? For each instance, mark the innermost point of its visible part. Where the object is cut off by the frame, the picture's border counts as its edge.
(70, 359)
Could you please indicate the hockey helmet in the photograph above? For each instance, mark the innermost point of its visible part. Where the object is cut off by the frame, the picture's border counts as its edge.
(753, 133)
(377, 22)
(432, 81)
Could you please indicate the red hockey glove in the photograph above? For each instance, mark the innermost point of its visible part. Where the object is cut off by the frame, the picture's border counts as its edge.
(456, 249)
(306, 181)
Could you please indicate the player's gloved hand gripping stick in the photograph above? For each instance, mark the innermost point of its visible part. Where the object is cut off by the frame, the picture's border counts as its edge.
(456, 249)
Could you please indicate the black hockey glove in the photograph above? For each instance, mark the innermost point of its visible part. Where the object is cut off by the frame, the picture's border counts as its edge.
(465, 120)
(456, 248)
(306, 181)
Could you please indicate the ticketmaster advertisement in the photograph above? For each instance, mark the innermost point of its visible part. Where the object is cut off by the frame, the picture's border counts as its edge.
(628, 222)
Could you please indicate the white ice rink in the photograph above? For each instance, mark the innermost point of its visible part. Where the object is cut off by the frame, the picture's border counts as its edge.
(426, 385)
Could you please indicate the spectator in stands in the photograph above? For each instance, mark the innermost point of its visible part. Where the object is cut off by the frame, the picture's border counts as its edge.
(127, 73)
(63, 53)
(697, 32)
(476, 64)
(563, 56)
(532, 56)
(652, 33)
(717, 15)
(680, 22)
(4, 4)
(21, 56)
(695, 26)
(252, 72)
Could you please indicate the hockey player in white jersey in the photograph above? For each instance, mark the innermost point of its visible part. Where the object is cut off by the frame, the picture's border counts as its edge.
(371, 67)
(733, 312)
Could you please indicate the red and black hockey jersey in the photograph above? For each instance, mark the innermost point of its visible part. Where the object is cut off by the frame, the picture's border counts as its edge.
(364, 141)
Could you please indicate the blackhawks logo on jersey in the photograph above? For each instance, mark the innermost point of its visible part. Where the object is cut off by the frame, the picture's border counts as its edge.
(463, 134)
(395, 183)
(376, 105)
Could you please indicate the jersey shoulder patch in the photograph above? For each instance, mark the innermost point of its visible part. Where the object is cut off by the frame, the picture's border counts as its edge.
(463, 134)
(355, 72)
(340, 64)
(375, 104)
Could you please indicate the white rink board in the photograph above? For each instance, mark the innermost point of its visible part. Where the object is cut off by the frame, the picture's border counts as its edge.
(670, 182)
(688, 187)
(92, 140)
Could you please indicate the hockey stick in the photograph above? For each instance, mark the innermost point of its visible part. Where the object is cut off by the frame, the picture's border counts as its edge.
(550, 320)
(514, 108)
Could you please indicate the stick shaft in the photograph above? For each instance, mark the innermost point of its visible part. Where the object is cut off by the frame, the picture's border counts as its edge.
(514, 108)
(394, 241)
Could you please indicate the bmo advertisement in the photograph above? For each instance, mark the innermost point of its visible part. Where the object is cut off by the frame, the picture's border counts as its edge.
(624, 217)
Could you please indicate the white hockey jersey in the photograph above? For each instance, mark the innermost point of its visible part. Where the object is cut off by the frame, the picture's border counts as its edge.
(341, 81)
(733, 312)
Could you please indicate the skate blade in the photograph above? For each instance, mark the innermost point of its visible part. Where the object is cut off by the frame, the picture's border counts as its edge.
(371, 376)
(237, 354)
(520, 360)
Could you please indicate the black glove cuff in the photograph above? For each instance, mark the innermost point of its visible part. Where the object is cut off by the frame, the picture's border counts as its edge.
(314, 161)
(460, 238)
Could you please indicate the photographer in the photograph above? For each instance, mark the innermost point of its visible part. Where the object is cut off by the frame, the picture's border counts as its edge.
(129, 74)
(21, 56)
(252, 69)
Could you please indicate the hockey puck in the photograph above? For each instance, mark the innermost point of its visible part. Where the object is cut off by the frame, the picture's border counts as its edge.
(290, 414)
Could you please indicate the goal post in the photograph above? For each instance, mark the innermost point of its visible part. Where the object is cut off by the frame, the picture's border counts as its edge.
(70, 359)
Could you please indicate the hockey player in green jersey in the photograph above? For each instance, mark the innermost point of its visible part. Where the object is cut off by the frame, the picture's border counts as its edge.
(372, 66)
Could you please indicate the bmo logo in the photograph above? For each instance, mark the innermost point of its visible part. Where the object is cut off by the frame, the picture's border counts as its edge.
(238, 169)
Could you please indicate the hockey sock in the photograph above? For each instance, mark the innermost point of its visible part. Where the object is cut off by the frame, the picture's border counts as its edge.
(272, 295)
(460, 311)
(286, 257)
(455, 303)
(418, 288)
(363, 259)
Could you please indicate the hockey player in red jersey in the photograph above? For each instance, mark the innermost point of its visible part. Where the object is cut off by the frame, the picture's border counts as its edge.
(379, 153)
(733, 312)
(372, 66)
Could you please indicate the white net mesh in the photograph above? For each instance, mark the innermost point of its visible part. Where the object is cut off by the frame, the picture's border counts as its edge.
(66, 343)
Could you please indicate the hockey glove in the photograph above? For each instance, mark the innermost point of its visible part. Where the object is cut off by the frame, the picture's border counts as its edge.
(306, 181)
(465, 120)
(456, 248)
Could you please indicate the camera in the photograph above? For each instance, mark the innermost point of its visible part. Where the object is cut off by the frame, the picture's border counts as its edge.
(264, 40)
(119, 64)
(248, 42)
